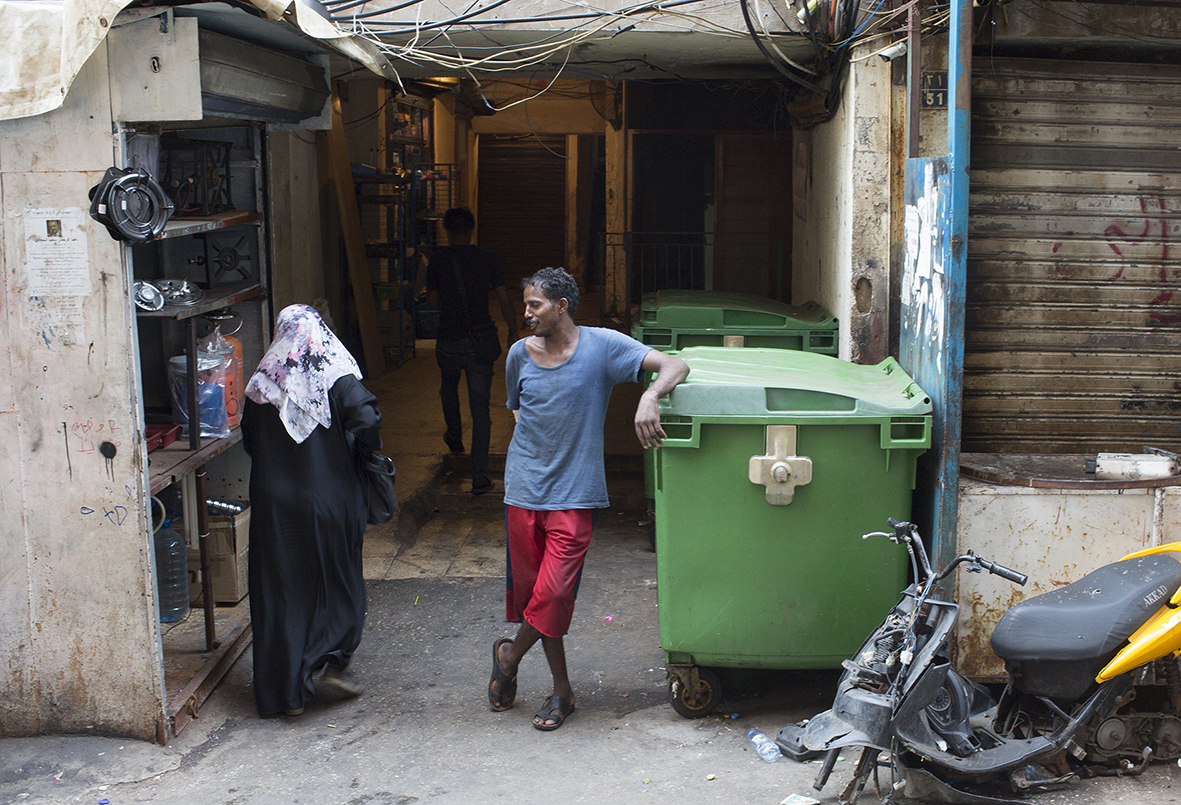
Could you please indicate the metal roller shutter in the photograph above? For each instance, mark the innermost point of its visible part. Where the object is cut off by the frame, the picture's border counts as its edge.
(1073, 318)
(522, 203)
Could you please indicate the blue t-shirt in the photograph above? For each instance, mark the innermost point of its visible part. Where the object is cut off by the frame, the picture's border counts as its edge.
(555, 460)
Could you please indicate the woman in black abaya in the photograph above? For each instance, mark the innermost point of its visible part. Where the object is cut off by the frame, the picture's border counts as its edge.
(306, 413)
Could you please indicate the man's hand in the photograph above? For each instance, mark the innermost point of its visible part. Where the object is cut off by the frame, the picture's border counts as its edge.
(648, 422)
(669, 372)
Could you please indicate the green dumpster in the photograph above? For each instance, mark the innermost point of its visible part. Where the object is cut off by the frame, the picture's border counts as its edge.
(673, 320)
(777, 462)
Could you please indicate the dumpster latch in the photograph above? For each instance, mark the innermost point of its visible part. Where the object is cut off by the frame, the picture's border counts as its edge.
(781, 470)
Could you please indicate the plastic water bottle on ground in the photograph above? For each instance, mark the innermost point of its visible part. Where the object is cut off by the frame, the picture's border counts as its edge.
(768, 750)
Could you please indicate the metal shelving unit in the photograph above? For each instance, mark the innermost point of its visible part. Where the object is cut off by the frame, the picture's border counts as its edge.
(184, 251)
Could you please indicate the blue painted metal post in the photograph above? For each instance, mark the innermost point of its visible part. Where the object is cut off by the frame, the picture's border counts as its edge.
(959, 121)
(934, 290)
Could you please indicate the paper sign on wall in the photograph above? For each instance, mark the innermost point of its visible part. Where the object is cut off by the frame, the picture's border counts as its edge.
(57, 256)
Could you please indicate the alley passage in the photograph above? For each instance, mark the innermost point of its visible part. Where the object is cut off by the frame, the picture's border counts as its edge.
(464, 538)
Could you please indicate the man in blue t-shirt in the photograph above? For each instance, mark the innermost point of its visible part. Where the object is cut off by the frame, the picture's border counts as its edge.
(559, 383)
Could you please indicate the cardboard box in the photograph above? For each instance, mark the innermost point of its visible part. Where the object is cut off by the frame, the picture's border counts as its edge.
(229, 560)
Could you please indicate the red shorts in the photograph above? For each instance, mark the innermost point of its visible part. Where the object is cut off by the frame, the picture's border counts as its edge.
(545, 553)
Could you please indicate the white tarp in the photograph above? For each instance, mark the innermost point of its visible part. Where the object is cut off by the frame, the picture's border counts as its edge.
(48, 41)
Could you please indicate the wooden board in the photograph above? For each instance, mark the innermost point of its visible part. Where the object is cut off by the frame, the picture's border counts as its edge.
(354, 241)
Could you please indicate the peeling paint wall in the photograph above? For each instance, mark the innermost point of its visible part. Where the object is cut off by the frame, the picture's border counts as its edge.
(78, 624)
(841, 254)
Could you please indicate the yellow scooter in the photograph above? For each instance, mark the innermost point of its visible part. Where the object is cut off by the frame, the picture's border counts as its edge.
(1094, 687)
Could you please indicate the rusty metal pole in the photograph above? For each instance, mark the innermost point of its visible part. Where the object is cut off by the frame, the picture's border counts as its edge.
(914, 53)
(203, 548)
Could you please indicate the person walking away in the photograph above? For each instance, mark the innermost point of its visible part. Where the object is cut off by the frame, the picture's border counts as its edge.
(458, 279)
(559, 383)
(306, 414)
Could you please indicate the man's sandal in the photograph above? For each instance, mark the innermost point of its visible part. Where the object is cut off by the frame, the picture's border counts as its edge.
(502, 697)
(552, 714)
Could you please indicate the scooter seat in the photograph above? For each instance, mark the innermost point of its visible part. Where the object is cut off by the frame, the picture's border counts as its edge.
(1090, 618)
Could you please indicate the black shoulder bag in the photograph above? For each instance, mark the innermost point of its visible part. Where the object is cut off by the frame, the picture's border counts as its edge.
(377, 473)
(377, 478)
(485, 339)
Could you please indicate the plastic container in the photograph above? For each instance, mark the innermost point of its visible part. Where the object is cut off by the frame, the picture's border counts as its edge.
(229, 349)
(211, 400)
(768, 750)
(172, 573)
(157, 436)
(777, 462)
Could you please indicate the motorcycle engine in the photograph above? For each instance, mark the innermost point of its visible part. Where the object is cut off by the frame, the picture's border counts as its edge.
(1125, 737)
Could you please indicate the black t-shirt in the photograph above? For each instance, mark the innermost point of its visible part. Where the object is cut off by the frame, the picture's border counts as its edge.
(480, 270)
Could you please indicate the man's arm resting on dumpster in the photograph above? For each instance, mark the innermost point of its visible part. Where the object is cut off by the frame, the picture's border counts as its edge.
(670, 371)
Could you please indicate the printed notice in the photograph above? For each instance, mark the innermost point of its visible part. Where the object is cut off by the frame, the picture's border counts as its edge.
(57, 259)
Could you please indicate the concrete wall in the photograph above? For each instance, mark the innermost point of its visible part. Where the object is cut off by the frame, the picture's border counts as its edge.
(79, 632)
(821, 243)
(869, 282)
(78, 624)
(843, 200)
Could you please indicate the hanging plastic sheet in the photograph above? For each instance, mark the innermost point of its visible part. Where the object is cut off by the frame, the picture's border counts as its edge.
(47, 42)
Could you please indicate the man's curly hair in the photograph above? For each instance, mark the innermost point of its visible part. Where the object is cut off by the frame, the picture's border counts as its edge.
(555, 284)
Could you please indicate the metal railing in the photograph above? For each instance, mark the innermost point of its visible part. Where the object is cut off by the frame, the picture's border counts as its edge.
(627, 265)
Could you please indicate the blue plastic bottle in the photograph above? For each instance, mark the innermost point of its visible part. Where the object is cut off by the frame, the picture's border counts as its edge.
(172, 573)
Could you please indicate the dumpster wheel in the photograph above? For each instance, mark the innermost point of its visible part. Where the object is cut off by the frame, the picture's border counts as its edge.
(693, 691)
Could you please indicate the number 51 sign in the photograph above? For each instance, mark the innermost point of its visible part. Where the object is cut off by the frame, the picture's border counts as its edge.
(934, 90)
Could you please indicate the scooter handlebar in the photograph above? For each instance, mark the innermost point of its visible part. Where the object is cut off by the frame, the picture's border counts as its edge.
(1005, 573)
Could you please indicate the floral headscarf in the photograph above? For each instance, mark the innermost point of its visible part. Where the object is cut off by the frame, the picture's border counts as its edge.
(304, 360)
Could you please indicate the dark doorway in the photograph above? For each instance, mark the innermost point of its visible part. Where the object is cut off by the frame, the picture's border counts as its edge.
(672, 210)
(522, 202)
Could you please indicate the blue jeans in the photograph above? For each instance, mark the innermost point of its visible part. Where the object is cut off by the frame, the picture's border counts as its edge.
(454, 358)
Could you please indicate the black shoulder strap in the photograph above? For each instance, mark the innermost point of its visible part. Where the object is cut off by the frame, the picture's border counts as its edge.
(460, 287)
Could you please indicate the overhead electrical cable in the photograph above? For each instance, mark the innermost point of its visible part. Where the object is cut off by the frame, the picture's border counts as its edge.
(623, 12)
(789, 74)
(364, 15)
(775, 47)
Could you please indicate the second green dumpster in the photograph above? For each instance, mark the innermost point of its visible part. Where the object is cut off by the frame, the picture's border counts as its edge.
(672, 320)
(777, 462)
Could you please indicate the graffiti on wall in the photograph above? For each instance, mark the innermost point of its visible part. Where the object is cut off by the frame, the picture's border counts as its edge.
(1140, 242)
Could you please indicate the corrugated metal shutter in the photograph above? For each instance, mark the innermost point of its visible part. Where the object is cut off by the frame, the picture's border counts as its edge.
(1073, 319)
(522, 203)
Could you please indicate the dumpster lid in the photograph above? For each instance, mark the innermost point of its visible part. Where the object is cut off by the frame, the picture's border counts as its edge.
(712, 310)
(768, 382)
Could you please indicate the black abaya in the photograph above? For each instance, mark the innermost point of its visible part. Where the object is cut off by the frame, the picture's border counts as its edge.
(307, 523)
